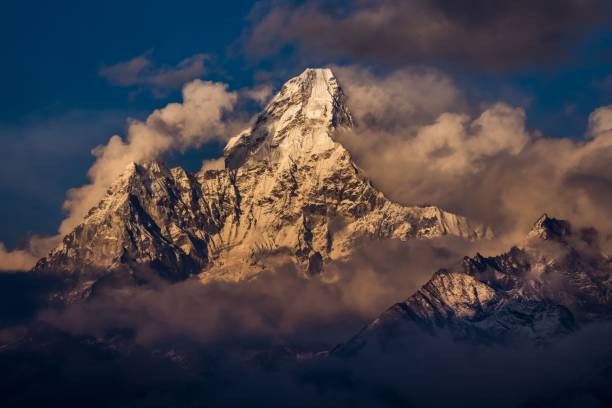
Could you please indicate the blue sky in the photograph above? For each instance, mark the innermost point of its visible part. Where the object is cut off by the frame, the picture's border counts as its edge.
(54, 95)
(57, 106)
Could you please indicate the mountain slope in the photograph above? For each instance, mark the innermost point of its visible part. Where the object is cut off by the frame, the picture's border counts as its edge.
(556, 280)
(287, 187)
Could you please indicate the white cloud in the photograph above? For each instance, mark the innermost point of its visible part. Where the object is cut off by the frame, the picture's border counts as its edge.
(600, 122)
(213, 164)
(260, 94)
(403, 99)
(18, 260)
(454, 143)
(24, 259)
(491, 169)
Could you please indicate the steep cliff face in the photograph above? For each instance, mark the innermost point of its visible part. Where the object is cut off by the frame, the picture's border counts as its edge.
(555, 281)
(287, 187)
(151, 215)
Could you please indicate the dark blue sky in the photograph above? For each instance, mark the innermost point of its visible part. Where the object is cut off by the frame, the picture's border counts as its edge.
(56, 106)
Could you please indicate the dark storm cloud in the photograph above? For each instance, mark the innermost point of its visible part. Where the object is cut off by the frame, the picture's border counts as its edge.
(491, 35)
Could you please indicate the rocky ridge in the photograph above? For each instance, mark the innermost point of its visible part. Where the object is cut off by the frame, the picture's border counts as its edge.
(287, 188)
(555, 281)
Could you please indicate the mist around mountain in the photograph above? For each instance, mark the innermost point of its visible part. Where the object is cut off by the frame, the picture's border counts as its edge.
(286, 277)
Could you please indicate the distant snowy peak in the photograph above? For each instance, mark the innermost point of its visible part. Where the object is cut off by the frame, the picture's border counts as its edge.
(298, 122)
(548, 228)
(547, 288)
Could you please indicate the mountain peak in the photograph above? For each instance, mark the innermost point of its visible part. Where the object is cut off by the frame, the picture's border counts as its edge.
(298, 122)
(530, 294)
(323, 79)
(549, 228)
(286, 187)
(325, 74)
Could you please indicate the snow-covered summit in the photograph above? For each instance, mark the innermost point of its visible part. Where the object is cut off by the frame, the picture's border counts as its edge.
(298, 121)
(549, 228)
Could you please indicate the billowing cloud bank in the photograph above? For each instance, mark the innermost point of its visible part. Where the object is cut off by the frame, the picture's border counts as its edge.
(242, 336)
(487, 166)
(279, 305)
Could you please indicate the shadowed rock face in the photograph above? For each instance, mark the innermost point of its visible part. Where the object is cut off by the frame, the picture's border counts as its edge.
(556, 280)
(287, 187)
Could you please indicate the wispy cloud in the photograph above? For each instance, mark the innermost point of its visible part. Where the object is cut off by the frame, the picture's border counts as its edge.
(141, 71)
(24, 259)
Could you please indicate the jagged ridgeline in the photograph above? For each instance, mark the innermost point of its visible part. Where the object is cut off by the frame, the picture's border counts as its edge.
(555, 281)
(288, 187)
